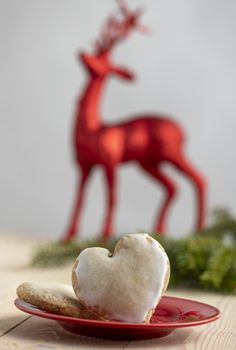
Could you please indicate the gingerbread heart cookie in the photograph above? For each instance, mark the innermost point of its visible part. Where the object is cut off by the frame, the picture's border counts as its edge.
(125, 285)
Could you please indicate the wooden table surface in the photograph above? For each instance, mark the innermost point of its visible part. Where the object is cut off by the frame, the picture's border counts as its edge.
(21, 331)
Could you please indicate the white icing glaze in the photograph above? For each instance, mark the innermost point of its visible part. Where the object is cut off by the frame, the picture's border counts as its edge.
(127, 285)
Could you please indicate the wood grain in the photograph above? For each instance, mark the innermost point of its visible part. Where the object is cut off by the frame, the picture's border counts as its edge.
(21, 331)
(37, 333)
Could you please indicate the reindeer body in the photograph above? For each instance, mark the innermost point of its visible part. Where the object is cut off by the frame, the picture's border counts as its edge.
(146, 139)
(143, 137)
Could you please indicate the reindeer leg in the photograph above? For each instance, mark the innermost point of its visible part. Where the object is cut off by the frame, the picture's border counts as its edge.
(111, 202)
(171, 191)
(200, 186)
(75, 217)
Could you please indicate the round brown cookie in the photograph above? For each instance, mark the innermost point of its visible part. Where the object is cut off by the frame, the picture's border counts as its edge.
(53, 297)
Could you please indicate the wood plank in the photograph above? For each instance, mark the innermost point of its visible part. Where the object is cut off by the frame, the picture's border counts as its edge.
(39, 333)
(15, 251)
(10, 315)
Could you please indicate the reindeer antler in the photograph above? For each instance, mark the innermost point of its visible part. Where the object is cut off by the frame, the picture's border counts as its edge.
(115, 30)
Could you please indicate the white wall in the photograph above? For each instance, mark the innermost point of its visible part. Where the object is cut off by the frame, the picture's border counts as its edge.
(186, 68)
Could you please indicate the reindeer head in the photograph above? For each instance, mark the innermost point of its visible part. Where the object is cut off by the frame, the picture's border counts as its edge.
(114, 30)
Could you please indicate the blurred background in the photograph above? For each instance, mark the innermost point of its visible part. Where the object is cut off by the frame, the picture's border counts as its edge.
(185, 68)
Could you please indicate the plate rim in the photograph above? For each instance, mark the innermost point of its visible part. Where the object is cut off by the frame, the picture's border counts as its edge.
(22, 305)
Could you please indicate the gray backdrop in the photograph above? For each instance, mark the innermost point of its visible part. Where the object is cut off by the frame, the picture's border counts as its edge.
(186, 68)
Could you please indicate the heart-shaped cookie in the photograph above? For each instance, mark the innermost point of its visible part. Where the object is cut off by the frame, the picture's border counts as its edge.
(126, 285)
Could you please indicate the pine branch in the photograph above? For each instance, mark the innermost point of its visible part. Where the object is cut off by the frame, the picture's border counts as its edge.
(205, 259)
(217, 267)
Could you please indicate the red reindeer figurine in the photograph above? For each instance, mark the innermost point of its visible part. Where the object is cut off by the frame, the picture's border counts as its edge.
(147, 139)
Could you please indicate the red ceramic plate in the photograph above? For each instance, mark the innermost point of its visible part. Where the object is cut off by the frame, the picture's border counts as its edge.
(171, 313)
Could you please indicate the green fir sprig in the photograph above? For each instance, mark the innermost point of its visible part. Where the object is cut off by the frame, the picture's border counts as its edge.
(205, 259)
